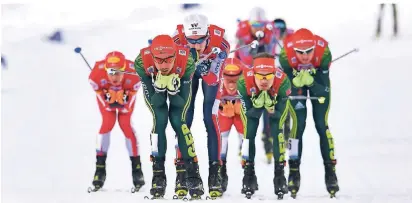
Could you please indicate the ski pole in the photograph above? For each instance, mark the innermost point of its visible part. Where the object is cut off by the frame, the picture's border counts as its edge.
(79, 51)
(347, 53)
(301, 97)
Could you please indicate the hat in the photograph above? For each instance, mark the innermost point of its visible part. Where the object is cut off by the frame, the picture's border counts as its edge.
(232, 67)
(163, 46)
(264, 64)
(196, 24)
(303, 38)
(115, 59)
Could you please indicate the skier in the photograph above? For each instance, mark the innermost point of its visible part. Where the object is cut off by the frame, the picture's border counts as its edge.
(395, 20)
(229, 110)
(206, 41)
(306, 59)
(166, 71)
(280, 33)
(263, 88)
(257, 27)
(116, 96)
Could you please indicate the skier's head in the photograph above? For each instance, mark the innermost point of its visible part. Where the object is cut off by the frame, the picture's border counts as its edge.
(231, 73)
(257, 20)
(264, 70)
(115, 60)
(304, 45)
(196, 28)
(280, 25)
(163, 50)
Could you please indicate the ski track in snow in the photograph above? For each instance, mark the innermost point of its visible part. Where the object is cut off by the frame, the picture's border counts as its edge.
(50, 117)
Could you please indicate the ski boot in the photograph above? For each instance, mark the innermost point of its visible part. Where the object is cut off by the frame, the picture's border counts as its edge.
(214, 180)
(280, 181)
(194, 181)
(159, 181)
(223, 175)
(249, 180)
(137, 174)
(100, 174)
(268, 146)
(294, 177)
(331, 180)
(181, 176)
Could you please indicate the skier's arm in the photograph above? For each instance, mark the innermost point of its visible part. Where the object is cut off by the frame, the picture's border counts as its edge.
(144, 78)
(284, 64)
(321, 83)
(281, 101)
(182, 99)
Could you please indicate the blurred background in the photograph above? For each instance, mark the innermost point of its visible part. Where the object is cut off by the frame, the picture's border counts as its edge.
(49, 115)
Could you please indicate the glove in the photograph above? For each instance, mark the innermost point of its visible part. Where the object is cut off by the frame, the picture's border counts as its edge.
(228, 109)
(237, 107)
(270, 104)
(259, 101)
(307, 78)
(173, 84)
(110, 96)
(221, 54)
(303, 78)
(161, 82)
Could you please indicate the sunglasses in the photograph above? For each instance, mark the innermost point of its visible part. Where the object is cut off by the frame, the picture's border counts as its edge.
(163, 60)
(257, 24)
(264, 77)
(305, 51)
(196, 41)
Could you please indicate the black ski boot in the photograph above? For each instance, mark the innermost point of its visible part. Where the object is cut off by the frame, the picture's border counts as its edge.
(249, 180)
(137, 174)
(100, 174)
(331, 180)
(181, 178)
(294, 177)
(268, 146)
(159, 181)
(214, 180)
(194, 181)
(223, 175)
(280, 181)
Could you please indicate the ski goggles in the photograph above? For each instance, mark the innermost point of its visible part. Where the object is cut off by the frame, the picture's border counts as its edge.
(163, 60)
(257, 24)
(280, 25)
(304, 51)
(260, 76)
(197, 41)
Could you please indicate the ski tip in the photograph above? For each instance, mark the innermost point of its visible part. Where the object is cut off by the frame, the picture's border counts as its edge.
(77, 49)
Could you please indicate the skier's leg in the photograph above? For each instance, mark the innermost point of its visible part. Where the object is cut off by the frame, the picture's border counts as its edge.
(320, 116)
(298, 112)
(210, 118)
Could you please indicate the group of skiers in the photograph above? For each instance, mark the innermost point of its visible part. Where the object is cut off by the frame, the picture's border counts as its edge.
(270, 77)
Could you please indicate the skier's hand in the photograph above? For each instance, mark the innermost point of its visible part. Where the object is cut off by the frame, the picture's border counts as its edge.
(161, 82)
(173, 84)
(307, 78)
(297, 80)
(270, 104)
(228, 109)
(259, 101)
(110, 96)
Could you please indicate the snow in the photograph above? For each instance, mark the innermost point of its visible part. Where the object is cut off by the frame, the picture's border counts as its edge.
(50, 117)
